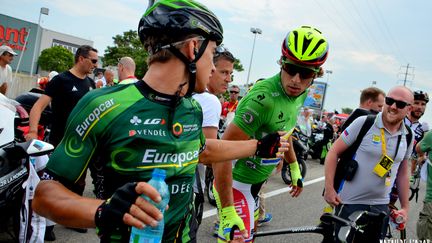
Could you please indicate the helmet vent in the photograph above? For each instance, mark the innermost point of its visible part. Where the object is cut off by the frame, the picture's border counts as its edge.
(320, 42)
(306, 43)
(295, 40)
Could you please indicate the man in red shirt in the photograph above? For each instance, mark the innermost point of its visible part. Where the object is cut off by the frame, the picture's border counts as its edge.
(231, 105)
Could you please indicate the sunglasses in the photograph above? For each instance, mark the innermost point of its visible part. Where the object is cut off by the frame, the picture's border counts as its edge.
(399, 104)
(234, 92)
(292, 70)
(223, 51)
(94, 61)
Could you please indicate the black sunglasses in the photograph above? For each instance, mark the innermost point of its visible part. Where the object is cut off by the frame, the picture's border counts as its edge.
(234, 92)
(94, 61)
(399, 104)
(292, 70)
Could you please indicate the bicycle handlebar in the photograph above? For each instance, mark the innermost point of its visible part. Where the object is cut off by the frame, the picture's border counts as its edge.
(355, 223)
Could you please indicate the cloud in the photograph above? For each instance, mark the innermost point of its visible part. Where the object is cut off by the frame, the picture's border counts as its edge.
(119, 11)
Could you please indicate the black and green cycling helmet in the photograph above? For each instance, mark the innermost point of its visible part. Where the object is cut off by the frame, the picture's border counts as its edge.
(180, 18)
(420, 95)
(305, 46)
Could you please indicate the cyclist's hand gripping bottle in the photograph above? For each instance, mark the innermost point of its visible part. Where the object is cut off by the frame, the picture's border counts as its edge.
(151, 234)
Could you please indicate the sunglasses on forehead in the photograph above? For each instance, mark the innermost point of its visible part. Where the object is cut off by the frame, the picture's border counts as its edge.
(221, 50)
(292, 70)
(399, 104)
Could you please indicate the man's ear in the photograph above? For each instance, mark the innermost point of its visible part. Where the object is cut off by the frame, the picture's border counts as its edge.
(369, 102)
(192, 49)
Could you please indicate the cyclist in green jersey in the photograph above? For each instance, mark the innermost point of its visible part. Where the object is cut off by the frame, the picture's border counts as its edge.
(271, 105)
(128, 130)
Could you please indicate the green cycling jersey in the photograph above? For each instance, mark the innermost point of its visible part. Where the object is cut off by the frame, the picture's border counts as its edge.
(123, 132)
(265, 109)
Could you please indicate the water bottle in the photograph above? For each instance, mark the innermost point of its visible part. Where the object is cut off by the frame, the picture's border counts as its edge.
(396, 220)
(151, 234)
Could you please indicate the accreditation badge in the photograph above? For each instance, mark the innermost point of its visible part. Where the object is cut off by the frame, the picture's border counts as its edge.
(383, 166)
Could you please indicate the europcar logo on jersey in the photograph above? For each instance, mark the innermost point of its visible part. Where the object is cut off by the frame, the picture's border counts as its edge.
(177, 129)
(94, 116)
(74, 147)
(152, 156)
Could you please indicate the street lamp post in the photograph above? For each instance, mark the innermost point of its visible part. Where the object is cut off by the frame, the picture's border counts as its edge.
(255, 31)
(328, 72)
(37, 43)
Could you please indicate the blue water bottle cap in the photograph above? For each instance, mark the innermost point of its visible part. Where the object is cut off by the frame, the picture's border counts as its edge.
(159, 173)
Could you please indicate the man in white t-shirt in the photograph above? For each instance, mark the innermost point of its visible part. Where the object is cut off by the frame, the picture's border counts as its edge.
(6, 57)
(211, 107)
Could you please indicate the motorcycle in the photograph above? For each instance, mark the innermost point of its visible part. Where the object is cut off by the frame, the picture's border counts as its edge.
(315, 143)
(320, 143)
(301, 148)
(14, 165)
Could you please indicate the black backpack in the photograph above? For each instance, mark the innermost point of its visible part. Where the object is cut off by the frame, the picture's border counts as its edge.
(345, 169)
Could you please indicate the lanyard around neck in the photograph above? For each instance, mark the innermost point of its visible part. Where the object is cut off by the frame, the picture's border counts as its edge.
(232, 107)
(383, 142)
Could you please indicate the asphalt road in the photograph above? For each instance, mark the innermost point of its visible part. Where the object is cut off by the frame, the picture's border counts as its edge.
(287, 212)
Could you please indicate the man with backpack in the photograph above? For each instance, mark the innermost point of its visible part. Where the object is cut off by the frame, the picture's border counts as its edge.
(379, 160)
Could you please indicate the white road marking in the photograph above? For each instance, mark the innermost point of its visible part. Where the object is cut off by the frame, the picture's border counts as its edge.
(213, 211)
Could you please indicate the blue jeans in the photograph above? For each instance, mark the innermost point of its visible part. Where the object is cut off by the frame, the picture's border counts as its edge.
(345, 210)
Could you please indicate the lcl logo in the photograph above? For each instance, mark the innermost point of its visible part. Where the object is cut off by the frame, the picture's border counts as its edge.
(154, 121)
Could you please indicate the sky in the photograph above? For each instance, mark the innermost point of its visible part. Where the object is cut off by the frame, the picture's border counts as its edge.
(370, 41)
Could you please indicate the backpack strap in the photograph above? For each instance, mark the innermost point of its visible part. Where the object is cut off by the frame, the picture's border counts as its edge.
(409, 135)
(364, 129)
(348, 154)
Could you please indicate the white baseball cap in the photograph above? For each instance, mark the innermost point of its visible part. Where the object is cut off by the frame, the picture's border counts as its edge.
(5, 48)
(52, 74)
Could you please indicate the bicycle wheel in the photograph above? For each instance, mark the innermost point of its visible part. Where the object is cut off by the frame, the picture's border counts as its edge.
(209, 184)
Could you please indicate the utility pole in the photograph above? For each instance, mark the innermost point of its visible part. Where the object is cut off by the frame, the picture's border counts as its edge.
(407, 72)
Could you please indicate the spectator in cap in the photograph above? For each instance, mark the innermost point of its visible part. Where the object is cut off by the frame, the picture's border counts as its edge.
(6, 57)
(51, 75)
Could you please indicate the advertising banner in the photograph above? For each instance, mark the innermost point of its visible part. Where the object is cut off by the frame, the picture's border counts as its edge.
(14, 33)
(316, 96)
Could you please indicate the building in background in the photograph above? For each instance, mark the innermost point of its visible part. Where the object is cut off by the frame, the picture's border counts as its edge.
(20, 35)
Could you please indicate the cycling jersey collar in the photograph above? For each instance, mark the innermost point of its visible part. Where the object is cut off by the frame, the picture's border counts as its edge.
(409, 122)
(154, 95)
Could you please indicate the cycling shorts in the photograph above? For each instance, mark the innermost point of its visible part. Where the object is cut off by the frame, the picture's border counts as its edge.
(246, 202)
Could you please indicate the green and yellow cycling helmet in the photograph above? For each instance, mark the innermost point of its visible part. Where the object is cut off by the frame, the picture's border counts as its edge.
(306, 47)
(179, 18)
